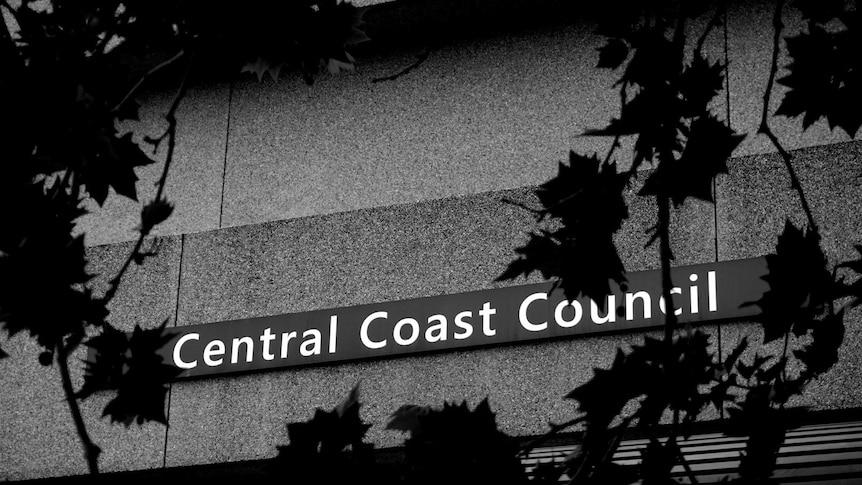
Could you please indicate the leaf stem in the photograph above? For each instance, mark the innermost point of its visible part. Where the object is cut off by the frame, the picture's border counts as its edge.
(170, 133)
(778, 26)
(145, 77)
(91, 451)
(418, 62)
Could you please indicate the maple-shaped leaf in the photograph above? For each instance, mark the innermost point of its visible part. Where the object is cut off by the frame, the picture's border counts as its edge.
(587, 199)
(261, 66)
(799, 282)
(820, 11)
(821, 353)
(605, 395)
(612, 54)
(699, 83)
(825, 75)
(458, 445)
(109, 364)
(764, 426)
(154, 213)
(112, 165)
(143, 384)
(855, 288)
(655, 115)
(406, 418)
(710, 143)
(329, 447)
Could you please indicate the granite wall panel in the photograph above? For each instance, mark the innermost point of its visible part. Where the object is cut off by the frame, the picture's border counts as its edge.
(755, 201)
(373, 255)
(194, 183)
(39, 437)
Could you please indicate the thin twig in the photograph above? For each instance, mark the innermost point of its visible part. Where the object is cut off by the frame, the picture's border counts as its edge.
(169, 134)
(419, 60)
(778, 25)
(684, 463)
(145, 77)
(91, 451)
(666, 256)
(714, 22)
(555, 428)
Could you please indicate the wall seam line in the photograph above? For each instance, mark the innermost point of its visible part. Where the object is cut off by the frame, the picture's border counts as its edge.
(226, 147)
(176, 318)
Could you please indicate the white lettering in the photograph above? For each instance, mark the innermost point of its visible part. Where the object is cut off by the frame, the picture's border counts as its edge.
(630, 304)
(265, 339)
(713, 299)
(249, 349)
(214, 348)
(314, 341)
(436, 333)
(558, 313)
(466, 326)
(486, 313)
(333, 331)
(522, 313)
(363, 331)
(414, 331)
(661, 304)
(285, 340)
(611, 315)
(178, 347)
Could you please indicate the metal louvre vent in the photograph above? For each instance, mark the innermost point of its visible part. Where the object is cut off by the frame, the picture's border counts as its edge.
(812, 454)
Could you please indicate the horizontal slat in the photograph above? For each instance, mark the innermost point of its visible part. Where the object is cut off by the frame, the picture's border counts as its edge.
(827, 453)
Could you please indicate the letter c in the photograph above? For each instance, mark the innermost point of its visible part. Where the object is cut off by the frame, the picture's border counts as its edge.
(363, 331)
(177, 360)
(522, 313)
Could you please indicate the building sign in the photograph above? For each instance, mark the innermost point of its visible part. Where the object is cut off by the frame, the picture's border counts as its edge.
(701, 293)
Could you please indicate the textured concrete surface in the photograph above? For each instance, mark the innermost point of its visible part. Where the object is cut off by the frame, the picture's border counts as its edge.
(750, 39)
(485, 115)
(756, 199)
(39, 437)
(373, 255)
(194, 182)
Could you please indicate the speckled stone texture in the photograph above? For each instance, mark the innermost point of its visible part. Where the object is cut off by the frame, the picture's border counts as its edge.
(39, 437)
(373, 255)
(476, 116)
(750, 40)
(194, 182)
(756, 199)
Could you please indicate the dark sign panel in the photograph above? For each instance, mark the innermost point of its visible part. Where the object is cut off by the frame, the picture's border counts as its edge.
(520, 313)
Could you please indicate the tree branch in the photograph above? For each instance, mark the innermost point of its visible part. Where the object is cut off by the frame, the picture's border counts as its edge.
(418, 62)
(555, 428)
(778, 26)
(145, 77)
(169, 134)
(91, 451)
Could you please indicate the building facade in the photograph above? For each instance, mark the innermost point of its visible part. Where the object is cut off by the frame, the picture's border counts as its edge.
(293, 198)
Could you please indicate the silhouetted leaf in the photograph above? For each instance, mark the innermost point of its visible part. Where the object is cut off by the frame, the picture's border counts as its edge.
(136, 371)
(154, 213)
(825, 75)
(612, 54)
(819, 11)
(406, 418)
(710, 143)
(657, 460)
(821, 353)
(457, 445)
(799, 282)
(734, 355)
(699, 83)
(260, 67)
(588, 202)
